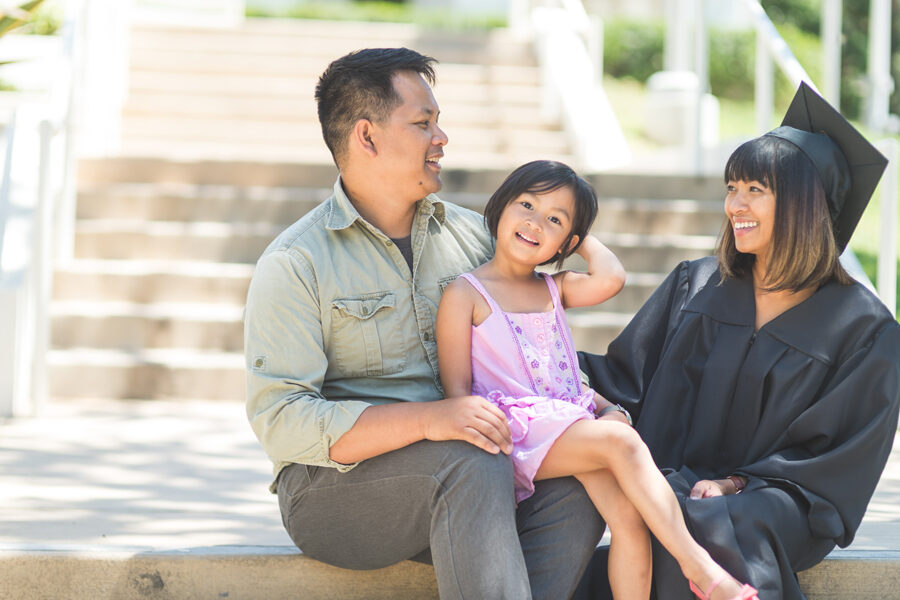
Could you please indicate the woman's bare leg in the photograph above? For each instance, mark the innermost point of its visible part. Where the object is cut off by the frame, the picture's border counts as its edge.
(589, 445)
(630, 564)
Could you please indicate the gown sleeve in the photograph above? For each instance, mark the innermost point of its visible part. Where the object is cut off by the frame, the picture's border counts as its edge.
(624, 372)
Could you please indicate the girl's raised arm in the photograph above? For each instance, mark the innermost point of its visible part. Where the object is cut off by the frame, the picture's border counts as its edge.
(604, 278)
(454, 339)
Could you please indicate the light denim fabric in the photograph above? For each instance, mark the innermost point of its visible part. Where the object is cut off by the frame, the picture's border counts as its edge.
(335, 322)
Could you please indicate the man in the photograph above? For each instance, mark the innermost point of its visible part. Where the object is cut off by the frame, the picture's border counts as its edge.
(372, 465)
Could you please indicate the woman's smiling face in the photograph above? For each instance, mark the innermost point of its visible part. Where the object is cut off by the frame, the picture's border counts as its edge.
(750, 207)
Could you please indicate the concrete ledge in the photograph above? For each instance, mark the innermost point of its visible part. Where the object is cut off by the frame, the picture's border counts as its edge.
(276, 572)
(845, 574)
(269, 572)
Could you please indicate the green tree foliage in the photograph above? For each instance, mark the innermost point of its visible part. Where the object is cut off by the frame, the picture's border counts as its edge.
(806, 16)
(635, 49)
(14, 17)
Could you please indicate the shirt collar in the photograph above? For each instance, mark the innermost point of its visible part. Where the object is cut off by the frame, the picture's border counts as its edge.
(343, 214)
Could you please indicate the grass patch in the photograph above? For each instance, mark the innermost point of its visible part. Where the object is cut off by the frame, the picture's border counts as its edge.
(382, 12)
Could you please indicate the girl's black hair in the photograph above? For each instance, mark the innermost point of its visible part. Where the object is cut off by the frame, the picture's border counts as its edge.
(541, 177)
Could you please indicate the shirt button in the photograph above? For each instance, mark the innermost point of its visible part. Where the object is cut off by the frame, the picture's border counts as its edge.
(389, 243)
(427, 336)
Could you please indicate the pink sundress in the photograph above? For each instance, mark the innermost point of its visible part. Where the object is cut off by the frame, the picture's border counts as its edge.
(525, 364)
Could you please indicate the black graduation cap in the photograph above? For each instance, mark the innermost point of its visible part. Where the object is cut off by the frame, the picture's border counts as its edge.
(848, 165)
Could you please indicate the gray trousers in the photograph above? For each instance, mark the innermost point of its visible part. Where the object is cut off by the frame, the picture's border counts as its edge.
(454, 503)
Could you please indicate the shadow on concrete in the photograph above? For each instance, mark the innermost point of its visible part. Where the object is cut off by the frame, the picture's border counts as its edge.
(136, 474)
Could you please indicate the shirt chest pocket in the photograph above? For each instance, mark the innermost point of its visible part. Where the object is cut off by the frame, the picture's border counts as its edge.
(362, 330)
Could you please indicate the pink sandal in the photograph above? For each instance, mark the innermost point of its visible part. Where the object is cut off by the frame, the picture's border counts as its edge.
(747, 592)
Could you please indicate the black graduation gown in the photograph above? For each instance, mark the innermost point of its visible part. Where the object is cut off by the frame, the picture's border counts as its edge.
(806, 408)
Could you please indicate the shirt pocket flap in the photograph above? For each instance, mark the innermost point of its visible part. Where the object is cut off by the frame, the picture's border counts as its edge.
(363, 307)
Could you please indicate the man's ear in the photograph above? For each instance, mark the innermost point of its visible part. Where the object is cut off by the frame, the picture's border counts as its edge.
(362, 136)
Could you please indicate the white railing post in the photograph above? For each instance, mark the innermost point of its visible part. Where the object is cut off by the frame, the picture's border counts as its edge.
(518, 17)
(887, 252)
(41, 268)
(881, 84)
(9, 135)
(678, 36)
(764, 90)
(831, 51)
(571, 87)
(701, 68)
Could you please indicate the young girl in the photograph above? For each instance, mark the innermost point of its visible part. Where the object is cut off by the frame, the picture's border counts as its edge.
(502, 334)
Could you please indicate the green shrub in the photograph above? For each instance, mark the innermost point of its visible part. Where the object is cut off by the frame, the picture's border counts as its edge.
(805, 15)
(633, 48)
(636, 49)
(380, 11)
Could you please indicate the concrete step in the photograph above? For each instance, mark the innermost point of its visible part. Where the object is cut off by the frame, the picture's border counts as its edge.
(121, 239)
(455, 114)
(253, 130)
(296, 61)
(330, 39)
(316, 156)
(271, 573)
(283, 205)
(291, 173)
(594, 329)
(147, 282)
(261, 85)
(205, 172)
(277, 572)
(178, 281)
(132, 327)
(147, 373)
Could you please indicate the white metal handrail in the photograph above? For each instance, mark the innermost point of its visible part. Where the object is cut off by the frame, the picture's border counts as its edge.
(5, 178)
(41, 182)
(569, 50)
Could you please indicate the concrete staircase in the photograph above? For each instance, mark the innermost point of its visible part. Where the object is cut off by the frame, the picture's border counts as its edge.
(221, 150)
(151, 307)
(247, 93)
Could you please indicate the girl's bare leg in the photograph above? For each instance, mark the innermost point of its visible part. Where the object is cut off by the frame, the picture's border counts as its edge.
(630, 558)
(590, 445)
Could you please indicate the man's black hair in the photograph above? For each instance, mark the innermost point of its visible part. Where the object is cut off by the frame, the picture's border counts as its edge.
(360, 86)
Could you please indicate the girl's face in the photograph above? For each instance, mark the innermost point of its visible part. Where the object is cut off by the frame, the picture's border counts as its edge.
(533, 227)
(750, 207)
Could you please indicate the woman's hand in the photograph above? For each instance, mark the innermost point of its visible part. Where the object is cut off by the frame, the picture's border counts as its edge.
(709, 488)
(614, 415)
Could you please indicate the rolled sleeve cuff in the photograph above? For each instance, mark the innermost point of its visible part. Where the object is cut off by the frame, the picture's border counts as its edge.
(336, 424)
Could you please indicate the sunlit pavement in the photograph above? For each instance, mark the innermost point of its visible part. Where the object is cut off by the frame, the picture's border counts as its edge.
(158, 475)
(166, 475)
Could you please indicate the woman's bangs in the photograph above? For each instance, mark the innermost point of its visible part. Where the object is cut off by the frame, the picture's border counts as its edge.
(752, 161)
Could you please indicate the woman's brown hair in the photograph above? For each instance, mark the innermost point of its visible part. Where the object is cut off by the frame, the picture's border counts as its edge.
(803, 253)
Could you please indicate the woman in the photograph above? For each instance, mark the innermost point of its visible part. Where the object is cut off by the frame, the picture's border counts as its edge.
(766, 381)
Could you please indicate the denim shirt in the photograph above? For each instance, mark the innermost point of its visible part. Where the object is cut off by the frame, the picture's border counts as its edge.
(335, 322)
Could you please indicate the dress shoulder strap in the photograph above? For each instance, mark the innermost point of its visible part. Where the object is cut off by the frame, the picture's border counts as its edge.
(554, 291)
(477, 285)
